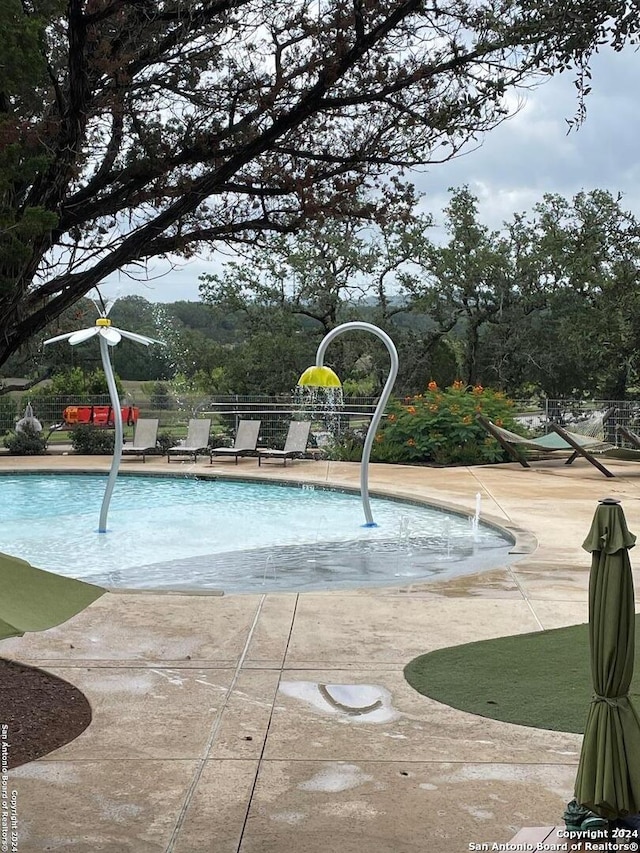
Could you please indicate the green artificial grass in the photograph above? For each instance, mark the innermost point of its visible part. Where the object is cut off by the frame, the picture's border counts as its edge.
(541, 679)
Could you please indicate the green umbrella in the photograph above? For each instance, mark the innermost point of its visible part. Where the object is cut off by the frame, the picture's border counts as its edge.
(34, 600)
(608, 780)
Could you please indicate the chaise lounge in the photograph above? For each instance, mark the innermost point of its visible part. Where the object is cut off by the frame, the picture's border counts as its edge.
(632, 437)
(196, 441)
(245, 443)
(144, 438)
(295, 444)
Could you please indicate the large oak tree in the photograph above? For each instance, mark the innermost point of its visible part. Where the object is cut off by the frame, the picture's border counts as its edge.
(130, 130)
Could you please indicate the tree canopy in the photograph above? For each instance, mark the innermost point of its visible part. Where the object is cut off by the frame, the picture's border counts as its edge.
(131, 130)
(549, 304)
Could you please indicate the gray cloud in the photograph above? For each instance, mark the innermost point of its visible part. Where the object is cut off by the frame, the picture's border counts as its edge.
(531, 153)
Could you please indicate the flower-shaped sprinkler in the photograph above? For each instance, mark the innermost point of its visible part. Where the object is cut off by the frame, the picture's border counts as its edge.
(108, 336)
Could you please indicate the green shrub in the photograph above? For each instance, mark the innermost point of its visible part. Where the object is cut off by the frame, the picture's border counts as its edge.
(8, 414)
(440, 427)
(347, 447)
(26, 442)
(165, 441)
(73, 387)
(77, 382)
(89, 440)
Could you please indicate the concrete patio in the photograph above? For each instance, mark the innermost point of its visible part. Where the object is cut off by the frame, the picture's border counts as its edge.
(219, 722)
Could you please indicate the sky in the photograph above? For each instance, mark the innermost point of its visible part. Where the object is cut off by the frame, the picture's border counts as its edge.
(525, 157)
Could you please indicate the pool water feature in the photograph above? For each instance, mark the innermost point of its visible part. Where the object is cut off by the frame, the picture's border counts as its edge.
(235, 536)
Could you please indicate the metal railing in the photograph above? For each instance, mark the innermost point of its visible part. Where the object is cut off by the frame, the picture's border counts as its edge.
(225, 412)
(275, 412)
(574, 413)
(48, 408)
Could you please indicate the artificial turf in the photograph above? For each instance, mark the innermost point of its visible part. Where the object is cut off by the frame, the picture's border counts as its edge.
(541, 679)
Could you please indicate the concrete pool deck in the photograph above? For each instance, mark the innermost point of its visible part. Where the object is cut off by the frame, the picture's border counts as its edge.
(239, 723)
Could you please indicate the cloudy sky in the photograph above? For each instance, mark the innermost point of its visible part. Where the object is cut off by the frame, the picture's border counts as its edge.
(525, 157)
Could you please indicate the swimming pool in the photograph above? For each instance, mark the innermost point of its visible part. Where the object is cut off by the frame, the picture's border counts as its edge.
(192, 533)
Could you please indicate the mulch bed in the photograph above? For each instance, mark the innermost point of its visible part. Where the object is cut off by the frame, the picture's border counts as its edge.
(42, 712)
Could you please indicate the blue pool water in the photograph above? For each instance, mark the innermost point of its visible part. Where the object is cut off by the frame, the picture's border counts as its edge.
(187, 533)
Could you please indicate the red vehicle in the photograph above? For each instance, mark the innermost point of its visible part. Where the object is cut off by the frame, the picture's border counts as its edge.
(99, 416)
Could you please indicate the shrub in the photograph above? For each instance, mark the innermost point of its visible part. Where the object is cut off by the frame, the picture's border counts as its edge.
(90, 441)
(347, 447)
(77, 382)
(73, 387)
(440, 427)
(8, 414)
(165, 441)
(26, 442)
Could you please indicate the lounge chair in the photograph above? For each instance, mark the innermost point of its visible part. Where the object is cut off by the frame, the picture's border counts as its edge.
(196, 441)
(144, 438)
(295, 444)
(632, 437)
(245, 443)
(579, 444)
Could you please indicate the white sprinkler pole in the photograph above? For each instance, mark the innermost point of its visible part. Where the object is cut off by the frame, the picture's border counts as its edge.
(117, 420)
(109, 336)
(382, 402)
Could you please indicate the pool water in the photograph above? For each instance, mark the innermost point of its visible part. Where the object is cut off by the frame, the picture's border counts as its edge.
(188, 533)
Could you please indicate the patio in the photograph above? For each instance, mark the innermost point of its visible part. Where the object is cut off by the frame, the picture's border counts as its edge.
(211, 727)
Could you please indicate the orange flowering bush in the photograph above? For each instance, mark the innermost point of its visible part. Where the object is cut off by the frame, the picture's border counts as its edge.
(440, 426)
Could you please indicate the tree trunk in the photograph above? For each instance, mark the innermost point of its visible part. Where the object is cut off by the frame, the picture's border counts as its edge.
(471, 355)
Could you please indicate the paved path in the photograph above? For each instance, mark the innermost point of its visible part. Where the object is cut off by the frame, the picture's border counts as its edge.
(222, 724)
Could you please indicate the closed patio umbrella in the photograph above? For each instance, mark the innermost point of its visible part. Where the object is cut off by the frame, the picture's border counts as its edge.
(34, 600)
(608, 779)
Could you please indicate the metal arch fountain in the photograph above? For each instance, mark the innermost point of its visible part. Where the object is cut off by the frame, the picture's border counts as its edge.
(324, 377)
(108, 336)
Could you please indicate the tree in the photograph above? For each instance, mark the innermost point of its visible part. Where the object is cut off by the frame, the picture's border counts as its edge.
(311, 275)
(131, 361)
(38, 363)
(131, 130)
(466, 283)
(549, 304)
(584, 254)
(271, 359)
(302, 285)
